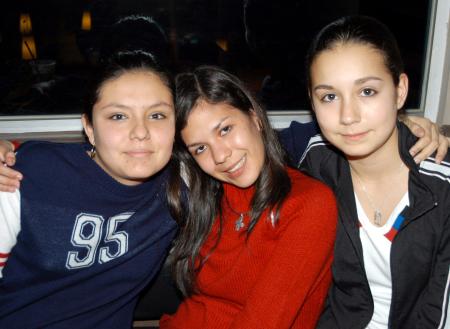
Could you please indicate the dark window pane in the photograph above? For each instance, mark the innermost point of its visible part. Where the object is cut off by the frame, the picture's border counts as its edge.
(263, 42)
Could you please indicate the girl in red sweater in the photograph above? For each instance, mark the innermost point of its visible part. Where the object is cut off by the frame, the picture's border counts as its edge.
(256, 238)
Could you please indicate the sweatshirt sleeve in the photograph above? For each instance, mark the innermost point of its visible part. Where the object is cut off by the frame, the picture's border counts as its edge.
(9, 224)
(291, 291)
(295, 138)
(314, 156)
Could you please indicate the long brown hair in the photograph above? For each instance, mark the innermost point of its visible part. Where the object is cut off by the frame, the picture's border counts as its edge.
(203, 201)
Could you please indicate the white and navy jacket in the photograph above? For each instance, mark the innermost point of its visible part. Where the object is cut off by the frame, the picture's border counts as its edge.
(420, 253)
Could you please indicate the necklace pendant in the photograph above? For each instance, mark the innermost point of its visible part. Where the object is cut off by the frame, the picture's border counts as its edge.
(377, 218)
(239, 224)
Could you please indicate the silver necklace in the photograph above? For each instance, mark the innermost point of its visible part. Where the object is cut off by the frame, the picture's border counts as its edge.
(239, 222)
(377, 215)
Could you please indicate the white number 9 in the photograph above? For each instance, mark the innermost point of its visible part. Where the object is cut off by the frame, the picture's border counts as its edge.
(89, 241)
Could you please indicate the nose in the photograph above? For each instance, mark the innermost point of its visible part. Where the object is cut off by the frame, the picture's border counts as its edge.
(349, 112)
(139, 130)
(220, 153)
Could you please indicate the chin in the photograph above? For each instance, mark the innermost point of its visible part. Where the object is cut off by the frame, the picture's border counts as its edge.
(355, 153)
(245, 182)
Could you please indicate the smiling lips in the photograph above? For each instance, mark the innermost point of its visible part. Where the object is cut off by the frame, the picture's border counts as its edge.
(355, 137)
(236, 170)
(139, 153)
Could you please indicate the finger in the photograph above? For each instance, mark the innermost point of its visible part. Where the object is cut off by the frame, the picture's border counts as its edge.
(420, 145)
(10, 159)
(8, 188)
(436, 134)
(417, 130)
(9, 184)
(6, 147)
(428, 149)
(7, 174)
(442, 148)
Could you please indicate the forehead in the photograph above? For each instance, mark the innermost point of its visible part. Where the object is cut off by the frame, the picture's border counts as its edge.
(206, 117)
(137, 83)
(208, 113)
(348, 61)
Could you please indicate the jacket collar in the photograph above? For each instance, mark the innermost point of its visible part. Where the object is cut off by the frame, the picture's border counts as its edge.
(421, 196)
(348, 214)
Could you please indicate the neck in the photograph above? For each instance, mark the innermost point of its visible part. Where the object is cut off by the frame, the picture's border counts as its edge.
(238, 199)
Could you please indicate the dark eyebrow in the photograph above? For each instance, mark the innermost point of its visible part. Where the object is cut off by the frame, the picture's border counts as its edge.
(220, 123)
(217, 126)
(364, 80)
(327, 87)
(358, 82)
(192, 145)
(123, 106)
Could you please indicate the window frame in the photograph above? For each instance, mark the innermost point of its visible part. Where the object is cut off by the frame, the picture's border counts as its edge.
(437, 71)
(432, 103)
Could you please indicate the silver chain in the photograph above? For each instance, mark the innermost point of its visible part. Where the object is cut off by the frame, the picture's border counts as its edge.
(377, 214)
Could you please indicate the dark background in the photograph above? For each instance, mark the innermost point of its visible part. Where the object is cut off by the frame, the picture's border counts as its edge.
(261, 41)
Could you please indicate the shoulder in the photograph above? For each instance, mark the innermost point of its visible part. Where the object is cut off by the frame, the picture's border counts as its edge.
(309, 192)
(299, 130)
(318, 148)
(440, 172)
(295, 138)
(42, 149)
(429, 171)
(310, 205)
(47, 159)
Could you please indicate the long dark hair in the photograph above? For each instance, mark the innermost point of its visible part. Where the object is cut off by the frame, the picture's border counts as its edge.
(196, 216)
(358, 30)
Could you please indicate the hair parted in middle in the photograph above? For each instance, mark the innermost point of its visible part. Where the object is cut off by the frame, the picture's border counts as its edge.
(213, 85)
(356, 29)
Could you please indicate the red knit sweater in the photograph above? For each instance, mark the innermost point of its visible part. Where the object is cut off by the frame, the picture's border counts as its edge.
(278, 278)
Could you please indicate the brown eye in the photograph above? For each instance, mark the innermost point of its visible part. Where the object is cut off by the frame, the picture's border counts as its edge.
(118, 116)
(225, 130)
(368, 92)
(200, 149)
(157, 116)
(328, 98)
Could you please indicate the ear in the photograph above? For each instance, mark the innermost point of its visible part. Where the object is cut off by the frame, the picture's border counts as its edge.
(255, 119)
(402, 90)
(88, 129)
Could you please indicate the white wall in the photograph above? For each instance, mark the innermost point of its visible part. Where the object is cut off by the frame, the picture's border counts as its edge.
(446, 114)
(436, 95)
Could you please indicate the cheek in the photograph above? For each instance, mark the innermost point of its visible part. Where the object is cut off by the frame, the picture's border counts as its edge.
(326, 118)
(106, 138)
(164, 136)
(205, 163)
(385, 112)
(259, 149)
